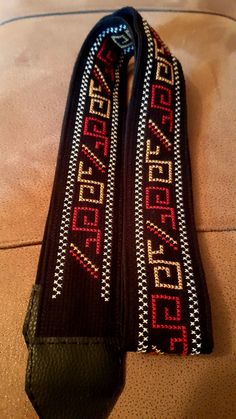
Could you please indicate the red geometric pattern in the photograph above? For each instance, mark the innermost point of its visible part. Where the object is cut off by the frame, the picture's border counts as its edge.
(87, 223)
(164, 269)
(170, 329)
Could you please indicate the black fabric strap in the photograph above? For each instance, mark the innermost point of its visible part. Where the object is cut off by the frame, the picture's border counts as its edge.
(120, 267)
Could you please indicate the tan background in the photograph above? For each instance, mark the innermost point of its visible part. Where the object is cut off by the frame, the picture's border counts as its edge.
(36, 61)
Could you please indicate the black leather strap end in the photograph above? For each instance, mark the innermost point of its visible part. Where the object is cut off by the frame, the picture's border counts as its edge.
(71, 377)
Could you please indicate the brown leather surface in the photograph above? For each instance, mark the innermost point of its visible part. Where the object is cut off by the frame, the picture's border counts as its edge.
(37, 57)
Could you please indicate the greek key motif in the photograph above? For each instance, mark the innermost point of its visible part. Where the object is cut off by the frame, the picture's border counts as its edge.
(166, 117)
(167, 304)
(168, 274)
(94, 90)
(97, 128)
(108, 57)
(89, 188)
(150, 153)
(152, 252)
(161, 96)
(158, 47)
(161, 194)
(165, 71)
(123, 40)
(100, 106)
(89, 216)
(105, 54)
(164, 172)
(87, 224)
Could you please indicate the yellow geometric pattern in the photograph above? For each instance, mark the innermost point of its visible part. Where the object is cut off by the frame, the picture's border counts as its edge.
(173, 274)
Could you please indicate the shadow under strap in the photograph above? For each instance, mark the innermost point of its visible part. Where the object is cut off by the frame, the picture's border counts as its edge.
(120, 267)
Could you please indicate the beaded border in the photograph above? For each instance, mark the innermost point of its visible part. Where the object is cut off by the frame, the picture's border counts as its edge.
(107, 252)
(71, 175)
(139, 222)
(187, 262)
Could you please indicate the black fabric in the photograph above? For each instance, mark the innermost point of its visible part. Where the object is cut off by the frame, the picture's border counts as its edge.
(71, 377)
(120, 267)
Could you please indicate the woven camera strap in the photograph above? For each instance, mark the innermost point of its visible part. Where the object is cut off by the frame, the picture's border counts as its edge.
(120, 267)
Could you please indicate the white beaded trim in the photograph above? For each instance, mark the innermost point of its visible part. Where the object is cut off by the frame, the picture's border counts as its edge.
(139, 221)
(107, 247)
(190, 282)
(107, 251)
(71, 176)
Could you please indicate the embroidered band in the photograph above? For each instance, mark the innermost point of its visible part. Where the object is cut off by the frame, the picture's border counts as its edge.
(120, 267)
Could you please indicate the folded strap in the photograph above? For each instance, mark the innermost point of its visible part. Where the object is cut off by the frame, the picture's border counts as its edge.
(120, 267)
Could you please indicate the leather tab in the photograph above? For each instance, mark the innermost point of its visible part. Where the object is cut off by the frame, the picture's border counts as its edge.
(71, 377)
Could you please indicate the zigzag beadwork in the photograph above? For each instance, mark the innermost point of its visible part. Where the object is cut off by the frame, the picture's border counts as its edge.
(143, 332)
(108, 230)
(101, 79)
(159, 134)
(188, 268)
(162, 234)
(85, 262)
(96, 161)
